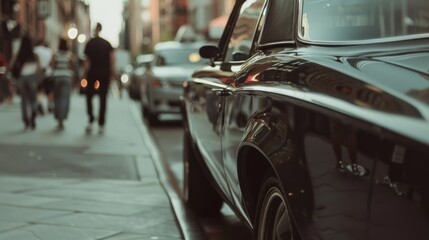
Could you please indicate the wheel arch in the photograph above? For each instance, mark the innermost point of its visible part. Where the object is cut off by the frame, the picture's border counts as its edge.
(257, 156)
(251, 174)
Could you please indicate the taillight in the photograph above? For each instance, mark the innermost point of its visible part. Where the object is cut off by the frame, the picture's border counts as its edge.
(156, 83)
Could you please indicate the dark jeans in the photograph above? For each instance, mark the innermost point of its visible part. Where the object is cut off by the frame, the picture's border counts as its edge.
(28, 91)
(5, 88)
(62, 90)
(102, 93)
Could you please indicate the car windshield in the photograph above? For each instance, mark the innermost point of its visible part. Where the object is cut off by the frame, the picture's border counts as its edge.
(352, 20)
(182, 56)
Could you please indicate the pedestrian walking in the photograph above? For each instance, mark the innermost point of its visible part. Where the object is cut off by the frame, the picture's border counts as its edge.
(99, 71)
(62, 74)
(27, 67)
(6, 92)
(44, 52)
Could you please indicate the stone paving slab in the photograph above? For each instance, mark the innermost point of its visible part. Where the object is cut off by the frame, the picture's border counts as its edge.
(21, 214)
(21, 184)
(65, 162)
(10, 225)
(38, 232)
(130, 236)
(86, 209)
(136, 223)
(154, 199)
(97, 207)
(23, 200)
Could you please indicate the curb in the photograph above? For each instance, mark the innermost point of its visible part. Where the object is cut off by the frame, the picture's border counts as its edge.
(187, 222)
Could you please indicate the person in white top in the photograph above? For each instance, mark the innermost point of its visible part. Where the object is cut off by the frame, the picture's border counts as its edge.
(62, 65)
(45, 87)
(29, 77)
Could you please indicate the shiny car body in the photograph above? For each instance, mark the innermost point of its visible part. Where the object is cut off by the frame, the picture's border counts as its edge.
(313, 120)
(162, 84)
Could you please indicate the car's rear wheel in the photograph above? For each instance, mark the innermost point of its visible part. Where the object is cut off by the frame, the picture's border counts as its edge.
(199, 194)
(272, 217)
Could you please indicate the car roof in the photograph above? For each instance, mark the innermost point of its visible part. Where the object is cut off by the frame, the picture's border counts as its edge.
(144, 58)
(174, 45)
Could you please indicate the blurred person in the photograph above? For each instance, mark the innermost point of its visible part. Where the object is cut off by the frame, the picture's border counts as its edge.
(5, 84)
(99, 71)
(62, 64)
(45, 87)
(29, 76)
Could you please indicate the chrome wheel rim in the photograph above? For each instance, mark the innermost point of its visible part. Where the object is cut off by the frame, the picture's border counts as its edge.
(274, 221)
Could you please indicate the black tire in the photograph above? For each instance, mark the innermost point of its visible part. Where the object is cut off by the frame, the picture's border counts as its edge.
(199, 194)
(151, 118)
(272, 217)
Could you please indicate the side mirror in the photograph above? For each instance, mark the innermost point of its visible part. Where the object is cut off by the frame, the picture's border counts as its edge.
(210, 52)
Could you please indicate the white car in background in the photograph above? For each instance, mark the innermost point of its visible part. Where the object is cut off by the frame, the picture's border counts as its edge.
(137, 74)
(162, 85)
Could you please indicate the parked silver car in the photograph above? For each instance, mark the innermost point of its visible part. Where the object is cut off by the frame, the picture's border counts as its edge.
(162, 84)
(137, 75)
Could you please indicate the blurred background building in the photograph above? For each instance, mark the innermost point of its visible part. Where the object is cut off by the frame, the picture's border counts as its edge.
(145, 22)
(42, 19)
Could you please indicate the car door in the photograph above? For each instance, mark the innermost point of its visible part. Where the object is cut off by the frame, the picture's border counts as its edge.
(211, 86)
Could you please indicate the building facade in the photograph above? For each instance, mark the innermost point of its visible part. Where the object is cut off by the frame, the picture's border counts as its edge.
(41, 19)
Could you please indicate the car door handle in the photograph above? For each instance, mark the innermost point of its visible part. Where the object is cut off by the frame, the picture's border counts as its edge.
(223, 92)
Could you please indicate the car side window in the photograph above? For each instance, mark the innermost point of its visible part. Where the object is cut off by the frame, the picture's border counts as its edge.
(279, 22)
(240, 42)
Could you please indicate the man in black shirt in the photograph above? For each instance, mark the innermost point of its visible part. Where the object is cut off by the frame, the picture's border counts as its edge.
(99, 70)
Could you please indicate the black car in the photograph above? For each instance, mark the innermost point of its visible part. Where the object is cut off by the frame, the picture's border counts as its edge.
(313, 120)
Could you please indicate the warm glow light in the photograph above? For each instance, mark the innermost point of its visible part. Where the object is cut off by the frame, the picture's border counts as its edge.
(83, 83)
(72, 32)
(81, 38)
(194, 57)
(124, 78)
(96, 84)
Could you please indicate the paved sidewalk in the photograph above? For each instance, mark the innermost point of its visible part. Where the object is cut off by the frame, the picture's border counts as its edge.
(78, 186)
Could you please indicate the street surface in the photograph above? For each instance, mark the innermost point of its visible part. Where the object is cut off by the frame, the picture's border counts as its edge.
(72, 185)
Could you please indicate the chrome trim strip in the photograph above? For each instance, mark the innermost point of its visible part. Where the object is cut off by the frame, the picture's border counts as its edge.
(391, 121)
(209, 82)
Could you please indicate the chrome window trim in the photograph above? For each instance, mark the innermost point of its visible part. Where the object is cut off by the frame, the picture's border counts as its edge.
(369, 41)
(260, 46)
